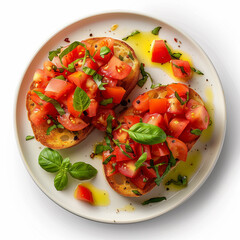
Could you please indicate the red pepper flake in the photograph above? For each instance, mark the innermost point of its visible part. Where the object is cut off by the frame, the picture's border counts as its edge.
(67, 40)
(175, 39)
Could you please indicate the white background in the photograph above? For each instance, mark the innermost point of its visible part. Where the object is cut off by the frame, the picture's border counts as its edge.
(28, 213)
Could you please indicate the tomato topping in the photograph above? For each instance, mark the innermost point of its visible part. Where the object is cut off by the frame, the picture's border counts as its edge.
(187, 136)
(167, 117)
(38, 115)
(48, 68)
(116, 69)
(110, 82)
(141, 148)
(140, 180)
(158, 105)
(181, 69)
(92, 109)
(176, 126)
(116, 93)
(180, 88)
(160, 52)
(88, 63)
(131, 120)
(175, 106)
(84, 194)
(110, 169)
(79, 78)
(154, 119)
(120, 156)
(40, 79)
(100, 120)
(178, 148)
(91, 88)
(70, 107)
(72, 123)
(160, 150)
(57, 88)
(141, 103)
(121, 135)
(128, 168)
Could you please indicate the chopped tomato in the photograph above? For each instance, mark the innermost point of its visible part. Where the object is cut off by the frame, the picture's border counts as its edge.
(148, 172)
(100, 120)
(158, 105)
(79, 78)
(180, 88)
(167, 117)
(175, 106)
(164, 161)
(140, 180)
(91, 88)
(128, 168)
(121, 135)
(192, 104)
(56, 88)
(92, 109)
(160, 150)
(141, 103)
(116, 93)
(88, 63)
(154, 119)
(35, 98)
(38, 115)
(116, 69)
(141, 148)
(176, 126)
(40, 79)
(131, 120)
(70, 107)
(109, 167)
(110, 82)
(181, 69)
(160, 52)
(48, 68)
(72, 123)
(120, 156)
(178, 148)
(84, 194)
(187, 136)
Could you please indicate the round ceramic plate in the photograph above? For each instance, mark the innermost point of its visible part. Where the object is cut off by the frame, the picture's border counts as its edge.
(205, 153)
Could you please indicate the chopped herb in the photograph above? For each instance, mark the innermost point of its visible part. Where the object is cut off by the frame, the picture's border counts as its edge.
(109, 125)
(53, 127)
(130, 55)
(141, 160)
(128, 148)
(117, 143)
(168, 48)
(89, 71)
(120, 57)
(145, 76)
(181, 181)
(106, 101)
(29, 137)
(131, 35)
(54, 53)
(71, 66)
(156, 30)
(154, 200)
(60, 77)
(179, 67)
(100, 148)
(136, 192)
(197, 71)
(104, 51)
(114, 167)
(176, 55)
(108, 159)
(98, 80)
(196, 132)
(179, 98)
(81, 101)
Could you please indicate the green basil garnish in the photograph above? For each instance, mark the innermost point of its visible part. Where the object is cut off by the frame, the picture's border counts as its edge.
(54, 53)
(156, 30)
(181, 181)
(176, 55)
(141, 160)
(106, 101)
(71, 66)
(136, 192)
(89, 71)
(196, 132)
(180, 67)
(121, 57)
(145, 76)
(131, 35)
(29, 137)
(109, 125)
(54, 102)
(130, 55)
(98, 80)
(145, 133)
(81, 100)
(128, 148)
(154, 200)
(104, 51)
(108, 159)
(101, 148)
(60, 77)
(197, 71)
(179, 98)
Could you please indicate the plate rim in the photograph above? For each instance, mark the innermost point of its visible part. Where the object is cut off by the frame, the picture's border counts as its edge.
(102, 14)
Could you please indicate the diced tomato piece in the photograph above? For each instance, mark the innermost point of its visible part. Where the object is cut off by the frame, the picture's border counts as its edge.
(110, 82)
(141, 148)
(72, 123)
(48, 68)
(109, 167)
(162, 168)
(84, 194)
(141, 103)
(181, 69)
(167, 117)
(192, 104)
(180, 88)
(130, 120)
(120, 156)
(116, 69)
(88, 63)
(121, 135)
(128, 168)
(92, 109)
(35, 98)
(154, 119)
(79, 78)
(140, 180)
(178, 148)
(160, 52)
(148, 172)
(176, 126)
(158, 105)
(38, 116)
(100, 120)
(187, 136)
(56, 88)
(175, 106)
(116, 93)
(160, 150)
(40, 79)
(91, 88)
(70, 107)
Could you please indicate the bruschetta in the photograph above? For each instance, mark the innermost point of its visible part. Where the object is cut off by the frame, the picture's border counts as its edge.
(78, 88)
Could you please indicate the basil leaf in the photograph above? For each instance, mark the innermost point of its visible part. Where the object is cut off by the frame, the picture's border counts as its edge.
(128, 148)
(142, 81)
(123, 152)
(145, 133)
(130, 55)
(145, 76)
(108, 159)
(54, 102)
(154, 200)
(50, 160)
(106, 101)
(71, 66)
(108, 142)
(156, 30)
(114, 167)
(54, 53)
(136, 192)
(181, 181)
(61, 180)
(176, 55)
(109, 125)
(131, 35)
(179, 98)
(196, 132)
(82, 171)
(141, 160)
(100, 148)
(104, 51)
(65, 163)
(50, 129)
(98, 80)
(156, 85)
(197, 71)
(89, 71)
(81, 100)
(168, 48)
(121, 57)
(60, 77)
(29, 137)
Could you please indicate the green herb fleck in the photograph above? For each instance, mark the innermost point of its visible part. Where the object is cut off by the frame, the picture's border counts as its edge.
(156, 30)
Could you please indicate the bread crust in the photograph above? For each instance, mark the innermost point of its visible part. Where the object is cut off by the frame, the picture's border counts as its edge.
(63, 138)
(122, 184)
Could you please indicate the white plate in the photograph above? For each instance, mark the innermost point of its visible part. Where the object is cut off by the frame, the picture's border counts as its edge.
(99, 25)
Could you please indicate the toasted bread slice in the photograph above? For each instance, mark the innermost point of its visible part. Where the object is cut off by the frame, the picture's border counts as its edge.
(63, 138)
(122, 184)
